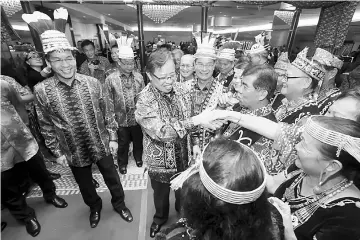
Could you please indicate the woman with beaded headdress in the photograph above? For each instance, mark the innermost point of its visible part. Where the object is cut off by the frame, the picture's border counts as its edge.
(224, 197)
(322, 201)
(324, 193)
(303, 78)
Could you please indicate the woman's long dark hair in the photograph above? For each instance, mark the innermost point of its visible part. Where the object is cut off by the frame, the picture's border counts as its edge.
(236, 168)
(351, 167)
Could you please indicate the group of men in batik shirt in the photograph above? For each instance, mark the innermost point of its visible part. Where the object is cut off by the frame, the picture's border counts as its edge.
(77, 120)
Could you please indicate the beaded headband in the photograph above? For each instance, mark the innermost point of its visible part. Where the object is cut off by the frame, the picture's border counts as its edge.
(311, 68)
(342, 141)
(226, 53)
(224, 194)
(282, 62)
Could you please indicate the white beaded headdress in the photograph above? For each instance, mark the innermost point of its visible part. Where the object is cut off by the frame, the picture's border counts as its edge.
(224, 194)
(205, 45)
(227, 51)
(124, 44)
(342, 141)
(52, 34)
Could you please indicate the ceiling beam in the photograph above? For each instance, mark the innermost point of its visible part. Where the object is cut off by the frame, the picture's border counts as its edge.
(85, 10)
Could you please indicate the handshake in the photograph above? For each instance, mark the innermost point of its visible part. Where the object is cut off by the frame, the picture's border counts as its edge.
(213, 119)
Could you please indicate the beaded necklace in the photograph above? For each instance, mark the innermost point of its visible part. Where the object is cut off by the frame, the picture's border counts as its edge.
(304, 207)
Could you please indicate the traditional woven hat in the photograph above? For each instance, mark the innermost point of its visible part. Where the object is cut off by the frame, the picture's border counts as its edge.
(205, 45)
(326, 58)
(309, 67)
(226, 53)
(282, 62)
(52, 34)
(124, 44)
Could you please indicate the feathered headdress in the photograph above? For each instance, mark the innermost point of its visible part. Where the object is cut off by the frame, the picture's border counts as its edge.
(262, 43)
(227, 51)
(124, 44)
(52, 34)
(205, 45)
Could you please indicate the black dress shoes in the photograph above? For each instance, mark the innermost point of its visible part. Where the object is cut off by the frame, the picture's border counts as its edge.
(3, 225)
(54, 176)
(125, 214)
(154, 229)
(123, 170)
(95, 183)
(139, 163)
(33, 227)
(57, 202)
(94, 218)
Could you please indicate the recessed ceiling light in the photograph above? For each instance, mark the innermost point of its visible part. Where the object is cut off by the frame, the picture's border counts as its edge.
(84, 16)
(109, 14)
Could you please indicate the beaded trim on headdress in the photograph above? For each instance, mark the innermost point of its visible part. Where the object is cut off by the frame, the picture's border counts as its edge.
(226, 53)
(124, 44)
(282, 62)
(52, 34)
(205, 45)
(226, 195)
(343, 142)
(326, 58)
(261, 44)
(311, 68)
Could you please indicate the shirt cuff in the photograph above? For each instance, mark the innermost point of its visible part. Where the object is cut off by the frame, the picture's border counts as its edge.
(181, 127)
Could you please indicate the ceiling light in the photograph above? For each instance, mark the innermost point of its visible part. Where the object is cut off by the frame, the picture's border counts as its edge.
(109, 14)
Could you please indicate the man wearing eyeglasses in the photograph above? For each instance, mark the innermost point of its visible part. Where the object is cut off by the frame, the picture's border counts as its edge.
(122, 87)
(78, 127)
(205, 89)
(299, 86)
(186, 68)
(225, 64)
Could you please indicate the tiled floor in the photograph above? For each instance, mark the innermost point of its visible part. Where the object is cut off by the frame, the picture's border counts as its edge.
(72, 222)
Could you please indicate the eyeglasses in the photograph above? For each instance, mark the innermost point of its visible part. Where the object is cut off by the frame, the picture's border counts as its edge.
(170, 77)
(186, 66)
(207, 66)
(66, 60)
(34, 57)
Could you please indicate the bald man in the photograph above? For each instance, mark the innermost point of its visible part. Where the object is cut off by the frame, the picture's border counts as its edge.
(186, 68)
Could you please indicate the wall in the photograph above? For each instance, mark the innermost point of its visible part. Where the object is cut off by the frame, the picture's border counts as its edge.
(176, 37)
(83, 31)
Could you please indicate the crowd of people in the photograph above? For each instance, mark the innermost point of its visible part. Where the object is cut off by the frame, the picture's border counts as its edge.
(252, 150)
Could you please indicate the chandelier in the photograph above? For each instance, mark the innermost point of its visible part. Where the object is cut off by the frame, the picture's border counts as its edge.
(160, 13)
(10, 6)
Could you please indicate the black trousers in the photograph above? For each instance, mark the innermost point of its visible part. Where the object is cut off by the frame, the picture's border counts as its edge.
(83, 177)
(161, 201)
(126, 135)
(14, 184)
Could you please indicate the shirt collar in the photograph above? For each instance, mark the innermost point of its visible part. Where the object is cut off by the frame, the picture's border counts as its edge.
(78, 77)
(207, 86)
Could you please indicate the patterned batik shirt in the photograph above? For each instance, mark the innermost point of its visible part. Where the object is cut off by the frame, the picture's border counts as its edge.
(293, 111)
(203, 99)
(17, 142)
(257, 142)
(165, 121)
(325, 102)
(75, 120)
(99, 73)
(122, 91)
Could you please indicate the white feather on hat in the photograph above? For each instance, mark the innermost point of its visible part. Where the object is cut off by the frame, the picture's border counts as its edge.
(124, 44)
